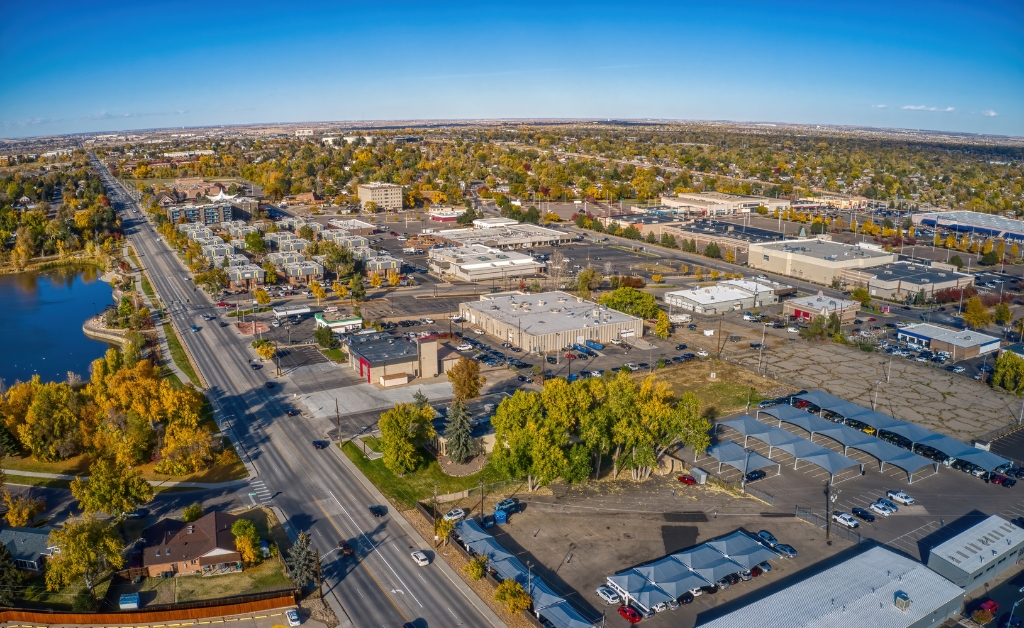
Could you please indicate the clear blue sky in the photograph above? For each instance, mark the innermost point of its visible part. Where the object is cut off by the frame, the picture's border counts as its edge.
(111, 65)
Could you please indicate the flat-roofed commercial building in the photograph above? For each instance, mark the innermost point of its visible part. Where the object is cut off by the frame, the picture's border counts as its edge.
(961, 344)
(716, 299)
(302, 272)
(808, 308)
(652, 223)
(729, 236)
(973, 222)
(388, 361)
(720, 204)
(387, 196)
(904, 280)
(878, 588)
(476, 262)
(977, 555)
(549, 321)
(352, 226)
(509, 236)
(820, 261)
(203, 214)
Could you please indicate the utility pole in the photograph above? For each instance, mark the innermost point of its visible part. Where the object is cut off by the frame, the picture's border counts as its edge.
(831, 495)
(337, 415)
(481, 500)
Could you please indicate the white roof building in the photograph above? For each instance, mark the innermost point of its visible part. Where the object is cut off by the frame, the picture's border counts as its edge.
(476, 262)
(979, 554)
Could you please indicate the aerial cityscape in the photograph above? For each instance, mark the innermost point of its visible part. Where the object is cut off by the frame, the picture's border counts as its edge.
(408, 315)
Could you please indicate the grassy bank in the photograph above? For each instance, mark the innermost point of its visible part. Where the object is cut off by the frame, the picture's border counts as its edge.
(405, 491)
(178, 354)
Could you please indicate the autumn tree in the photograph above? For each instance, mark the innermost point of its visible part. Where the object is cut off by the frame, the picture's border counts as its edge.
(192, 512)
(1002, 313)
(340, 289)
(85, 547)
(21, 509)
(393, 278)
(318, 291)
(375, 280)
(976, 314)
(112, 489)
(403, 428)
(264, 348)
(511, 594)
(1009, 373)
(466, 379)
(663, 327)
(255, 244)
(262, 296)
(356, 287)
(477, 567)
(247, 540)
(443, 529)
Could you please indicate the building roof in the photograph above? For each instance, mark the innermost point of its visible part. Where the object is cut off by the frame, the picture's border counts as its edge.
(753, 287)
(478, 256)
(819, 302)
(981, 544)
(170, 540)
(383, 348)
(957, 337)
(857, 592)
(965, 220)
(829, 251)
(546, 312)
(731, 230)
(26, 543)
(711, 295)
(917, 274)
(519, 233)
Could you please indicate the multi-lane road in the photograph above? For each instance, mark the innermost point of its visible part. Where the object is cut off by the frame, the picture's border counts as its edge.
(315, 490)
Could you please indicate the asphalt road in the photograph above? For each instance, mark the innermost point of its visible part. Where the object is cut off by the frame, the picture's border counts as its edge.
(317, 493)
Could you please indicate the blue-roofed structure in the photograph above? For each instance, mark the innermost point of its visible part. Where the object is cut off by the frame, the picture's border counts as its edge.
(743, 460)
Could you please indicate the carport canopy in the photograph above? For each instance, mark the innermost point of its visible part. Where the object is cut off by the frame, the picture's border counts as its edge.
(832, 461)
(825, 401)
(708, 562)
(783, 412)
(913, 432)
(876, 420)
(739, 547)
(809, 422)
(739, 458)
(955, 449)
(671, 576)
(564, 616)
(746, 425)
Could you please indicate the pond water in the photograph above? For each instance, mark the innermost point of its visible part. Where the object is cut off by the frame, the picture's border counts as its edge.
(41, 316)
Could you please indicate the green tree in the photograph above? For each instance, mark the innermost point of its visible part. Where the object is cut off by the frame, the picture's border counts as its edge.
(402, 429)
(712, 250)
(112, 489)
(325, 337)
(269, 273)
(512, 455)
(192, 512)
(255, 244)
(301, 562)
(976, 314)
(357, 289)
(989, 259)
(1002, 313)
(262, 296)
(306, 233)
(631, 301)
(477, 567)
(10, 577)
(956, 261)
(1009, 373)
(466, 379)
(85, 546)
(458, 433)
(862, 295)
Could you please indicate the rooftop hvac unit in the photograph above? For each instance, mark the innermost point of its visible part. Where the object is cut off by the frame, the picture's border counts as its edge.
(901, 601)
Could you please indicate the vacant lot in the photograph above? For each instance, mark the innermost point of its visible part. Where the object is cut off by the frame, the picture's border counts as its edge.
(725, 393)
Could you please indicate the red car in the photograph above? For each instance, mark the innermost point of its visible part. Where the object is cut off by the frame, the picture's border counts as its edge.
(871, 320)
(802, 403)
(223, 304)
(995, 478)
(756, 571)
(687, 480)
(569, 356)
(633, 616)
(989, 605)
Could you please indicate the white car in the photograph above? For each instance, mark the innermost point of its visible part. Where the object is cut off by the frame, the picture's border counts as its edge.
(420, 558)
(702, 353)
(428, 321)
(881, 509)
(276, 323)
(696, 592)
(845, 519)
(792, 330)
(465, 347)
(478, 331)
(900, 497)
(608, 595)
(293, 617)
(457, 514)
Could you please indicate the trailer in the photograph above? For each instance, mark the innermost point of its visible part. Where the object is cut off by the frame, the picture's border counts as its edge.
(597, 346)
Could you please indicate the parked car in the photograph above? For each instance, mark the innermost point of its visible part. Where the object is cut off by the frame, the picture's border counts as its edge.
(687, 479)
(845, 519)
(455, 514)
(754, 476)
(293, 617)
(891, 506)
(608, 595)
(465, 347)
(487, 521)
(900, 497)
(785, 550)
(880, 508)
(1008, 482)
(269, 384)
(505, 504)
(863, 514)
(702, 353)
(768, 538)
(630, 614)
(996, 478)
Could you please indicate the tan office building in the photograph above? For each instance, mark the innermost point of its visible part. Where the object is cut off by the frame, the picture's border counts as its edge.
(387, 196)
(819, 261)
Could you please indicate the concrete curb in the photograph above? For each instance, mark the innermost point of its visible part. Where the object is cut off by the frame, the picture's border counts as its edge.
(63, 476)
(463, 588)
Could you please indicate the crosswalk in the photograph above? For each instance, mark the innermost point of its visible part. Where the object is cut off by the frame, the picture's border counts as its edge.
(261, 492)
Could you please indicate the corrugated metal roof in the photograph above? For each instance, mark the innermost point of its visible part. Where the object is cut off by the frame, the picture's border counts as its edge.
(980, 545)
(858, 592)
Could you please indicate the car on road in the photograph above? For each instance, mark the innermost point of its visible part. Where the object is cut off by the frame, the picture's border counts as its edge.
(863, 514)
(455, 514)
(269, 384)
(880, 508)
(138, 513)
(319, 444)
(223, 304)
(420, 558)
(292, 412)
(845, 519)
(792, 330)
(293, 617)
(477, 330)
(464, 347)
(754, 476)
(687, 480)
(256, 367)
(345, 548)
(785, 550)
(608, 595)
(768, 538)
(630, 614)
(223, 324)
(194, 329)
(378, 511)
(900, 497)
(681, 347)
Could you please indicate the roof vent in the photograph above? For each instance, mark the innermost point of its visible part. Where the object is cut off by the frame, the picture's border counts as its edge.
(901, 601)
(191, 529)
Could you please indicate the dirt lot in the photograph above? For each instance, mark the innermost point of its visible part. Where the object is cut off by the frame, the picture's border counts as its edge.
(728, 391)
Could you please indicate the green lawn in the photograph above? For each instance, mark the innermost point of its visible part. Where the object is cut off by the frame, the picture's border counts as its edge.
(178, 354)
(405, 491)
(335, 355)
(27, 480)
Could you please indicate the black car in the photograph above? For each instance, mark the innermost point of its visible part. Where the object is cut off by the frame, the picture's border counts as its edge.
(733, 578)
(346, 549)
(223, 324)
(754, 476)
(681, 347)
(320, 444)
(709, 589)
(692, 327)
(1008, 482)
(378, 511)
(685, 598)
(860, 513)
(256, 367)
(644, 365)
(269, 384)
(552, 360)
(293, 412)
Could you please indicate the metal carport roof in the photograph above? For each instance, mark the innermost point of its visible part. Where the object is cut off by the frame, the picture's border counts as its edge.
(708, 562)
(832, 461)
(822, 399)
(671, 576)
(746, 425)
(805, 420)
(783, 412)
(648, 595)
(739, 458)
(913, 432)
(563, 615)
(742, 549)
(876, 420)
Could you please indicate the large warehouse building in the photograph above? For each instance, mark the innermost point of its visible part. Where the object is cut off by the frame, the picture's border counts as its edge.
(961, 344)
(549, 321)
(878, 588)
(476, 262)
(506, 236)
(977, 555)
(820, 261)
(720, 204)
(901, 280)
(973, 222)
(727, 296)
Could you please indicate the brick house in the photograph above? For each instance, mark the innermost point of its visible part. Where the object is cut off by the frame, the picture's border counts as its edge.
(203, 546)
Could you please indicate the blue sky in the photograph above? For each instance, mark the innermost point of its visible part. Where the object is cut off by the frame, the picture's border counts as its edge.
(97, 66)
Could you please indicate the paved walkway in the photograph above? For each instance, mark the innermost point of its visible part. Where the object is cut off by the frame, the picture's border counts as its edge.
(263, 619)
(163, 483)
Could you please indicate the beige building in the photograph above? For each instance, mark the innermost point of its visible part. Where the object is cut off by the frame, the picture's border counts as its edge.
(820, 261)
(720, 204)
(387, 196)
(809, 308)
(388, 361)
(903, 280)
(476, 262)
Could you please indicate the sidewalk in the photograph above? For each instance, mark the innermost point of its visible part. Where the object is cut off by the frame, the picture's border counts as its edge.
(162, 483)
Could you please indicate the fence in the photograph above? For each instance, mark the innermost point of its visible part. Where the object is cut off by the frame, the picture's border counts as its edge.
(488, 489)
(765, 497)
(815, 519)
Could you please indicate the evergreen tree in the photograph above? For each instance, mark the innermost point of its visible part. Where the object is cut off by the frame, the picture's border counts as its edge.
(420, 400)
(301, 562)
(10, 577)
(457, 432)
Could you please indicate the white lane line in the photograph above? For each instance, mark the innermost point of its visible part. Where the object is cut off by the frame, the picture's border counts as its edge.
(379, 553)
